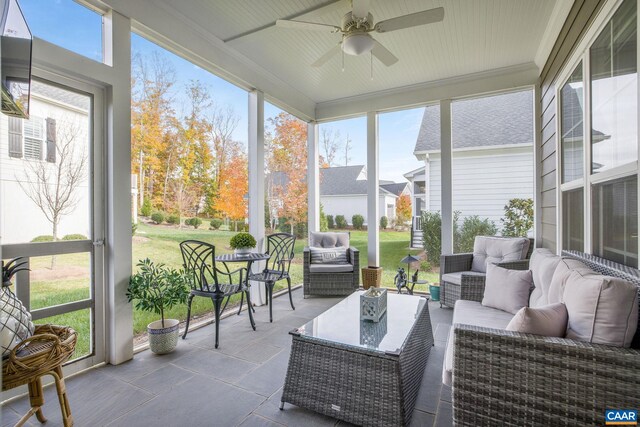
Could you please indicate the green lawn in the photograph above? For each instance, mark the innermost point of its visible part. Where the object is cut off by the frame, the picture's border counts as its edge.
(69, 281)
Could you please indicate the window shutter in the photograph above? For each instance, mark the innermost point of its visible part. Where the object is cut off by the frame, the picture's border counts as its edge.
(15, 137)
(51, 140)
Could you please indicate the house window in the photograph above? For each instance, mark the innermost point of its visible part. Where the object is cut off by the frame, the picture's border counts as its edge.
(573, 220)
(615, 220)
(599, 186)
(33, 133)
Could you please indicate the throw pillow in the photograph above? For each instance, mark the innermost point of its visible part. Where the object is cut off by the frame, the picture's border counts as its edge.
(507, 290)
(549, 320)
(559, 279)
(602, 309)
(328, 255)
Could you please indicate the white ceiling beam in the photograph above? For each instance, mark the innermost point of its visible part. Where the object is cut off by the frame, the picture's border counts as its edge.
(172, 30)
(497, 80)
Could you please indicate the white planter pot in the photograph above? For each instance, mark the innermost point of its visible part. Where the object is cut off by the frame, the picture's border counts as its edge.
(163, 340)
(242, 251)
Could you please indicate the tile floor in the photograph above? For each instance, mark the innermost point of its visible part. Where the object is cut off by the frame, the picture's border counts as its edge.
(237, 385)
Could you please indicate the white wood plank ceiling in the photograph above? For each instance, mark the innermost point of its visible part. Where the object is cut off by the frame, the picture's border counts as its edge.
(475, 36)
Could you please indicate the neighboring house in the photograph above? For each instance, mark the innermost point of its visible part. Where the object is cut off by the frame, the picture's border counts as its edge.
(55, 114)
(343, 191)
(492, 156)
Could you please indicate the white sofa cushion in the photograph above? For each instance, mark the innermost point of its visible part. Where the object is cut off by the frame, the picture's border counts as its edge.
(456, 278)
(507, 290)
(559, 279)
(330, 268)
(602, 309)
(491, 250)
(472, 313)
(549, 320)
(543, 264)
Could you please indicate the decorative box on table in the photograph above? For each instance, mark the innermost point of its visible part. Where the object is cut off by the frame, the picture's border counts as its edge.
(373, 304)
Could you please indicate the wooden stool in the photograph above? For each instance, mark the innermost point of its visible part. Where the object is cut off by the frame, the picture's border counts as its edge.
(42, 354)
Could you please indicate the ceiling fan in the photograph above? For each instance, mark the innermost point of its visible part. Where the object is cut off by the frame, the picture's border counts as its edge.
(355, 29)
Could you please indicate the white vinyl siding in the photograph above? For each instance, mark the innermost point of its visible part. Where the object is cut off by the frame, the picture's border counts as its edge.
(483, 183)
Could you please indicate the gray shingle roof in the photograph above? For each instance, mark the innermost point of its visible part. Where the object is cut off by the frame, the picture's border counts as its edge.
(396, 188)
(68, 97)
(504, 119)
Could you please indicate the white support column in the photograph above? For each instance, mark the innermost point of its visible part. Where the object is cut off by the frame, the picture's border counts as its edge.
(373, 190)
(313, 178)
(119, 312)
(446, 189)
(256, 183)
(537, 165)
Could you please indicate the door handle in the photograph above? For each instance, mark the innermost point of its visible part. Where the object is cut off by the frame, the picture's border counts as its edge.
(99, 242)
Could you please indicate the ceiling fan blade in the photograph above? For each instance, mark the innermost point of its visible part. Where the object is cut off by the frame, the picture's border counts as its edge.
(327, 56)
(302, 25)
(360, 8)
(412, 20)
(383, 54)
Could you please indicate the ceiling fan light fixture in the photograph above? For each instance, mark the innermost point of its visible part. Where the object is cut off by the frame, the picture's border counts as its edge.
(357, 43)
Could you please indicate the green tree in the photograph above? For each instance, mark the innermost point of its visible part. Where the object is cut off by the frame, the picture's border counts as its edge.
(324, 224)
(518, 218)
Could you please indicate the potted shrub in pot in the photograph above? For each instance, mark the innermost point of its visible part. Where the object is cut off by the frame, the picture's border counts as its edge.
(157, 288)
(242, 243)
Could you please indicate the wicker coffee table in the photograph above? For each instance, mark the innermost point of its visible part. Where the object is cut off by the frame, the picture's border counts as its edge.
(358, 371)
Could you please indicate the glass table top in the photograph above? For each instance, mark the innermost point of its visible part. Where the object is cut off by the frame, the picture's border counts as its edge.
(341, 323)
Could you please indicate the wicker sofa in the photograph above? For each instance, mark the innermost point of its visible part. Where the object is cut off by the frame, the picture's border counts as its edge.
(500, 377)
(330, 279)
(462, 276)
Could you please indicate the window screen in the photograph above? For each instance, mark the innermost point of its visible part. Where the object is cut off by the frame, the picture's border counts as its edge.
(573, 220)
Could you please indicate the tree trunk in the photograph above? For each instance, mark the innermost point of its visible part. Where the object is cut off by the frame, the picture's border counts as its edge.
(55, 239)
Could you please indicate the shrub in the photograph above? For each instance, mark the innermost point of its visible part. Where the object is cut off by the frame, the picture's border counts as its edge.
(472, 226)
(330, 222)
(341, 222)
(324, 224)
(195, 222)
(44, 238)
(134, 228)
(75, 237)
(518, 218)
(242, 240)
(157, 217)
(173, 219)
(425, 266)
(187, 221)
(145, 210)
(432, 236)
(216, 223)
(358, 221)
(384, 222)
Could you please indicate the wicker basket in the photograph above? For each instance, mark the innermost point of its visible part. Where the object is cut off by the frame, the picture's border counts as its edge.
(41, 354)
(371, 276)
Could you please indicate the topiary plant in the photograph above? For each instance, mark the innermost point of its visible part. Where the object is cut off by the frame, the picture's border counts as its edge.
(173, 219)
(43, 238)
(358, 221)
(384, 222)
(242, 241)
(330, 223)
(157, 217)
(216, 223)
(341, 222)
(145, 210)
(195, 222)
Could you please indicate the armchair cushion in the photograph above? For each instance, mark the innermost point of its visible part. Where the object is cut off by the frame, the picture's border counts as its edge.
(507, 290)
(328, 240)
(456, 278)
(330, 268)
(328, 255)
(492, 250)
(549, 321)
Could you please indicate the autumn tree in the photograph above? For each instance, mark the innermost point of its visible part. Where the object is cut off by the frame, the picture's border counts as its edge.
(234, 185)
(403, 209)
(347, 149)
(287, 153)
(223, 122)
(53, 187)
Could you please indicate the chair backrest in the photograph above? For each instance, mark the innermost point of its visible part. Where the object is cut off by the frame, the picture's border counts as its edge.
(280, 247)
(199, 259)
(495, 249)
(328, 239)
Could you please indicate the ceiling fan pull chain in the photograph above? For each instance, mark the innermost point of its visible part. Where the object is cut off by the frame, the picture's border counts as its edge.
(342, 51)
(371, 69)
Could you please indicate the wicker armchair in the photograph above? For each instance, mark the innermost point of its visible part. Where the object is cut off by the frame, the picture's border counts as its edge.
(321, 279)
(538, 380)
(470, 284)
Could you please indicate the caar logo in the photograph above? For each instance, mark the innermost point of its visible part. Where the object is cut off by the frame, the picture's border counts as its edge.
(621, 417)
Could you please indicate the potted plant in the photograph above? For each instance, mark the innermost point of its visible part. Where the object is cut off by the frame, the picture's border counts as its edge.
(242, 243)
(156, 288)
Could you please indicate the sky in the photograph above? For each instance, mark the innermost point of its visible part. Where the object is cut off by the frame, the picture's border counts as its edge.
(79, 29)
